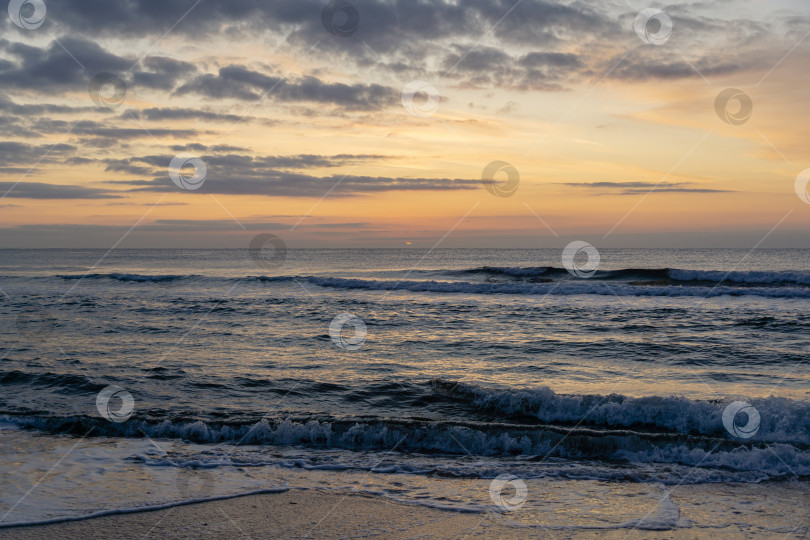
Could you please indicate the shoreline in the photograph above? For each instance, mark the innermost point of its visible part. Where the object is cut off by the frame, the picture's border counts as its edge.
(313, 513)
(296, 513)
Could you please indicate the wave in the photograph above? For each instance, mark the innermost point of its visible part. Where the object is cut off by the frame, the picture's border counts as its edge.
(607, 284)
(139, 278)
(651, 418)
(533, 424)
(758, 277)
(782, 420)
(737, 461)
(655, 275)
(546, 273)
(559, 288)
(77, 383)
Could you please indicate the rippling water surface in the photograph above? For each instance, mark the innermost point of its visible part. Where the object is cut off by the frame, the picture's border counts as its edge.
(469, 364)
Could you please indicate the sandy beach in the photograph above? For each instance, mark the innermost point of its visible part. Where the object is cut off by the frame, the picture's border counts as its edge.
(318, 514)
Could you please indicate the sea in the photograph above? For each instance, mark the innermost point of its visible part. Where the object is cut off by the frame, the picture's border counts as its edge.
(650, 389)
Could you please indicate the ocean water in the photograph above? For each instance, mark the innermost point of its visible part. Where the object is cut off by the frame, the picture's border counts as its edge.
(490, 381)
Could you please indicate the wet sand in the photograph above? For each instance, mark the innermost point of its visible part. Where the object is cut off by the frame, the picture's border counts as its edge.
(318, 514)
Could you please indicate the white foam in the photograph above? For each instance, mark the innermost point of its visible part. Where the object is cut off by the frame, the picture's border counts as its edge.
(782, 420)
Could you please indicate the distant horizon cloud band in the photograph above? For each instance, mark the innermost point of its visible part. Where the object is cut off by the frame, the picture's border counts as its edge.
(372, 123)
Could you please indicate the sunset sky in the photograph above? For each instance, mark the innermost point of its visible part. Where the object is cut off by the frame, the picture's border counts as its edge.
(304, 134)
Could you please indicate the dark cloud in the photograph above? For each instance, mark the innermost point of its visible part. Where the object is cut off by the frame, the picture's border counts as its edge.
(394, 20)
(489, 67)
(71, 62)
(479, 59)
(79, 161)
(36, 190)
(28, 154)
(163, 72)
(287, 184)
(237, 174)
(559, 45)
(7, 105)
(100, 143)
(239, 82)
(199, 148)
(62, 64)
(92, 128)
(501, 69)
(236, 164)
(642, 70)
(33, 121)
(13, 127)
(158, 114)
(536, 60)
(147, 17)
(134, 203)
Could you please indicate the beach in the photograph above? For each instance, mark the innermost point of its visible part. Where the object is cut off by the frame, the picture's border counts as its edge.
(317, 514)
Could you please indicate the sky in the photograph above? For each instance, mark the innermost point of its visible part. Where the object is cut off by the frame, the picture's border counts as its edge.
(404, 123)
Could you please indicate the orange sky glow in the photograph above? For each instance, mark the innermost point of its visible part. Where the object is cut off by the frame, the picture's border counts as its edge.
(304, 133)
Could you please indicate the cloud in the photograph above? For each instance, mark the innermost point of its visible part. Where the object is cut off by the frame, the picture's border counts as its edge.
(535, 60)
(645, 70)
(180, 225)
(533, 44)
(98, 129)
(636, 188)
(232, 164)
(12, 152)
(34, 121)
(79, 161)
(150, 204)
(37, 190)
(674, 190)
(286, 184)
(145, 17)
(158, 114)
(55, 67)
(238, 174)
(226, 225)
(239, 82)
(70, 62)
(7, 105)
(619, 184)
(507, 108)
(199, 148)
(164, 72)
